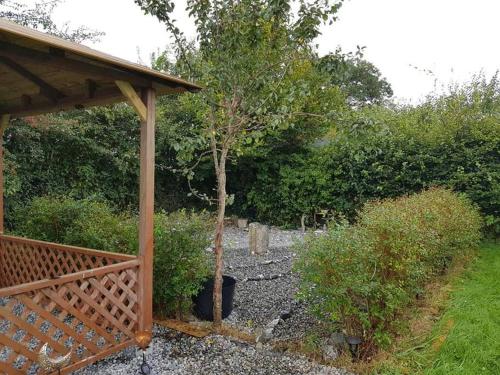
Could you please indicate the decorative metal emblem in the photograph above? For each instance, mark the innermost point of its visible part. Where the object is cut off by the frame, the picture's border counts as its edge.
(48, 364)
(143, 339)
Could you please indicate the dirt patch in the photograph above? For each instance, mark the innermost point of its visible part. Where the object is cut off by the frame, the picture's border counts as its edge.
(439, 341)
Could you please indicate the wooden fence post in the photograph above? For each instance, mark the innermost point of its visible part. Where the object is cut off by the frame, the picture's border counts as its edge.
(146, 213)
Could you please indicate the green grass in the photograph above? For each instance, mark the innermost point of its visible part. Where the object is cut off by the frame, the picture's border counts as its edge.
(472, 345)
(466, 339)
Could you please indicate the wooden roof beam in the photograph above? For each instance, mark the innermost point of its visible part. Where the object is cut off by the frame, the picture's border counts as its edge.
(46, 89)
(91, 88)
(63, 62)
(101, 97)
(26, 101)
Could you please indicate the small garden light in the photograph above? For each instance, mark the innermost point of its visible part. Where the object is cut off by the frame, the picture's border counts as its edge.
(353, 343)
(145, 367)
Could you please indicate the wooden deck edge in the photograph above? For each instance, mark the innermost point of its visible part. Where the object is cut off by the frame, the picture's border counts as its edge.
(203, 329)
(184, 327)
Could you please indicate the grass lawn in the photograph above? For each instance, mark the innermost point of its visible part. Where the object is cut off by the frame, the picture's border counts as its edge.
(466, 338)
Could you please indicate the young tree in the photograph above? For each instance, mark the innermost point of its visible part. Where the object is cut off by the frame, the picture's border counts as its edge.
(254, 58)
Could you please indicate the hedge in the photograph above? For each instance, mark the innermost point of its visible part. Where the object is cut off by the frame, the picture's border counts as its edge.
(452, 142)
(360, 278)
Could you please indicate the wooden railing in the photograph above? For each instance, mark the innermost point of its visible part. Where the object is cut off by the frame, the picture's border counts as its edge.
(73, 299)
(23, 260)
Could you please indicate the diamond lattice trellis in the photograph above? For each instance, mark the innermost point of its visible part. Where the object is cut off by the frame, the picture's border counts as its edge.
(77, 299)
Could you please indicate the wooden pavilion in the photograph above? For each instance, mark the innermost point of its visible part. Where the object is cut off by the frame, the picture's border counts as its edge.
(89, 302)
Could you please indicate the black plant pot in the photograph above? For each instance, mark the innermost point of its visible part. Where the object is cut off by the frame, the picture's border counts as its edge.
(204, 304)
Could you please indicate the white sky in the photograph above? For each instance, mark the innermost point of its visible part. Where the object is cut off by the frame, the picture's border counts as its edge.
(452, 38)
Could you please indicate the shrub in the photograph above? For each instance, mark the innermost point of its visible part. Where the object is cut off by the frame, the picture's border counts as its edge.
(336, 275)
(83, 223)
(181, 262)
(417, 236)
(361, 277)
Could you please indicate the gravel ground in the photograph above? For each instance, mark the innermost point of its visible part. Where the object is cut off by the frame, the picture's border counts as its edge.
(235, 238)
(174, 353)
(257, 303)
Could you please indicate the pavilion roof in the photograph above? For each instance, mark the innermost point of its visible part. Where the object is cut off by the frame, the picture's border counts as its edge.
(41, 73)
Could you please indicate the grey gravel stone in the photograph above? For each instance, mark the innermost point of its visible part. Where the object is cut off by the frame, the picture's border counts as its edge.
(264, 306)
(235, 238)
(174, 353)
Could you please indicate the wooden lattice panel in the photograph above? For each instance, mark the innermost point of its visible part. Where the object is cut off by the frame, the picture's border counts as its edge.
(24, 261)
(93, 314)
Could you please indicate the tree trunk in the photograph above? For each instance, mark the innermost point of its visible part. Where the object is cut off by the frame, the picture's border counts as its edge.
(219, 232)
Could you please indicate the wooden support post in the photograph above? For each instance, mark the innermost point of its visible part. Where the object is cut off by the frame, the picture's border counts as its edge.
(4, 121)
(146, 212)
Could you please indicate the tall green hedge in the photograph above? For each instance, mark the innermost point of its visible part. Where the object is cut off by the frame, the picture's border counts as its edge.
(84, 223)
(451, 141)
(87, 154)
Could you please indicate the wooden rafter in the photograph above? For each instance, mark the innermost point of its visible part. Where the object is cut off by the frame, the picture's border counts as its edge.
(37, 41)
(86, 76)
(46, 89)
(26, 99)
(101, 97)
(60, 61)
(91, 88)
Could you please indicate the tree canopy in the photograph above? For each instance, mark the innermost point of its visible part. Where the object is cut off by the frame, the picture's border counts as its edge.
(39, 16)
(358, 78)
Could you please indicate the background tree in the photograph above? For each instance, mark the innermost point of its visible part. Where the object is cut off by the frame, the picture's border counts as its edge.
(40, 17)
(361, 81)
(254, 59)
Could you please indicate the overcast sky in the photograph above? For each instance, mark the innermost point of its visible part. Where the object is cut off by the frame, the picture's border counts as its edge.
(405, 39)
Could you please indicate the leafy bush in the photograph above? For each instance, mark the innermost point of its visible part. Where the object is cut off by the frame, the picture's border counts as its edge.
(451, 141)
(83, 223)
(88, 154)
(429, 228)
(361, 277)
(181, 262)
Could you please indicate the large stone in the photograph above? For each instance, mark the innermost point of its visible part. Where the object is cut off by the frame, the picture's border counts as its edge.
(258, 238)
(242, 223)
(266, 334)
(330, 353)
